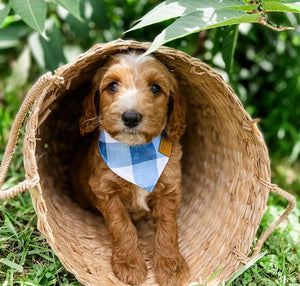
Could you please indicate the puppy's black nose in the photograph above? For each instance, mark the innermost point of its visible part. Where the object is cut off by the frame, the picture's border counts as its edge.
(131, 118)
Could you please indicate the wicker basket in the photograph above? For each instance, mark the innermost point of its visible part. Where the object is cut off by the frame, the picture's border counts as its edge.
(226, 172)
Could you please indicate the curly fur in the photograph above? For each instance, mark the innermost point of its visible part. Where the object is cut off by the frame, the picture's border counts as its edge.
(119, 201)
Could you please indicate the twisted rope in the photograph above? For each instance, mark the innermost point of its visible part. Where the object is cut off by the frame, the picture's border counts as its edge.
(32, 95)
(292, 203)
(20, 188)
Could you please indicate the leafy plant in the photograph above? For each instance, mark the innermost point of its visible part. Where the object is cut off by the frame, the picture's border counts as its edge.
(195, 16)
(54, 32)
(33, 12)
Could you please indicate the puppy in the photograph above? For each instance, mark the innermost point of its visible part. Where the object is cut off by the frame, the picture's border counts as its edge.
(135, 99)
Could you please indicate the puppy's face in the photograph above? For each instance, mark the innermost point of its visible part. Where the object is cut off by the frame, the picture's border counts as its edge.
(134, 95)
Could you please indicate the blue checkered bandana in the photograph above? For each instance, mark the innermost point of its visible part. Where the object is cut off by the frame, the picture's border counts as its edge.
(141, 165)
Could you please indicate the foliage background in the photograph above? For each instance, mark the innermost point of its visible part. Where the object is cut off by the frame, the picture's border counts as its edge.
(265, 76)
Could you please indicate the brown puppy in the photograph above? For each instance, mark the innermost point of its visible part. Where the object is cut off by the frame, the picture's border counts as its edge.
(135, 99)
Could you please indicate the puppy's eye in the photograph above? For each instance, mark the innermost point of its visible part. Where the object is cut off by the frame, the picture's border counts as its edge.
(113, 86)
(155, 88)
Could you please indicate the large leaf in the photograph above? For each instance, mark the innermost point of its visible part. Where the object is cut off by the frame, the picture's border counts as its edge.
(48, 54)
(36, 48)
(20, 71)
(73, 6)
(281, 7)
(79, 28)
(10, 36)
(33, 13)
(201, 20)
(245, 8)
(230, 35)
(4, 12)
(176, 8)
(99, 14)
(8, 41)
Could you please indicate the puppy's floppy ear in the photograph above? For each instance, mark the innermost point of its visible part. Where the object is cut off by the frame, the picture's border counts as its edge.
(176, 114)
(90, 119)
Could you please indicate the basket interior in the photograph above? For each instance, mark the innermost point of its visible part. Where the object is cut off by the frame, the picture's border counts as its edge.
(223, 156)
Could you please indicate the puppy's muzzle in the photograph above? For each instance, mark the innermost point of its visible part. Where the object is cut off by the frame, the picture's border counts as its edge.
(131, 118)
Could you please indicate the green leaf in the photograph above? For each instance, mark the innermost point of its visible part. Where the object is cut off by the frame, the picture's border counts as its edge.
(230, 35)
(37, 49)
(245, 8)
(10, 225)
(20, 71)
(79, 28)
(201, 20)
(295, 152)
(247, 266)
(10, 19)
(214, 274)
(73, 6)
(99, 14)
(11, 264)
(48, 54)
(281, 7)
(53, 50)
(33, 13)
(7, 42)
(173, 9)
(4, 12)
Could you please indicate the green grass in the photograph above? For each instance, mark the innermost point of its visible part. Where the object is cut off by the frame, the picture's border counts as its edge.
(26, 258)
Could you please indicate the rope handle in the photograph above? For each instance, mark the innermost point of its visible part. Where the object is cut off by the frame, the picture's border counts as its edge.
(292, 203)
(30, 98)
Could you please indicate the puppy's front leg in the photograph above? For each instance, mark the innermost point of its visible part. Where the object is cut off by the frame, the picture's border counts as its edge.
(171, 268)
(127, 260)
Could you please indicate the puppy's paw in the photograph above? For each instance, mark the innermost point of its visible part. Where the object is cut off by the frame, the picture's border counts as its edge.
(131, 269)
(171, 271)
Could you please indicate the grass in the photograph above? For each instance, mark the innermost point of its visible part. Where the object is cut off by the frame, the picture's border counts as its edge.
(26, 258)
